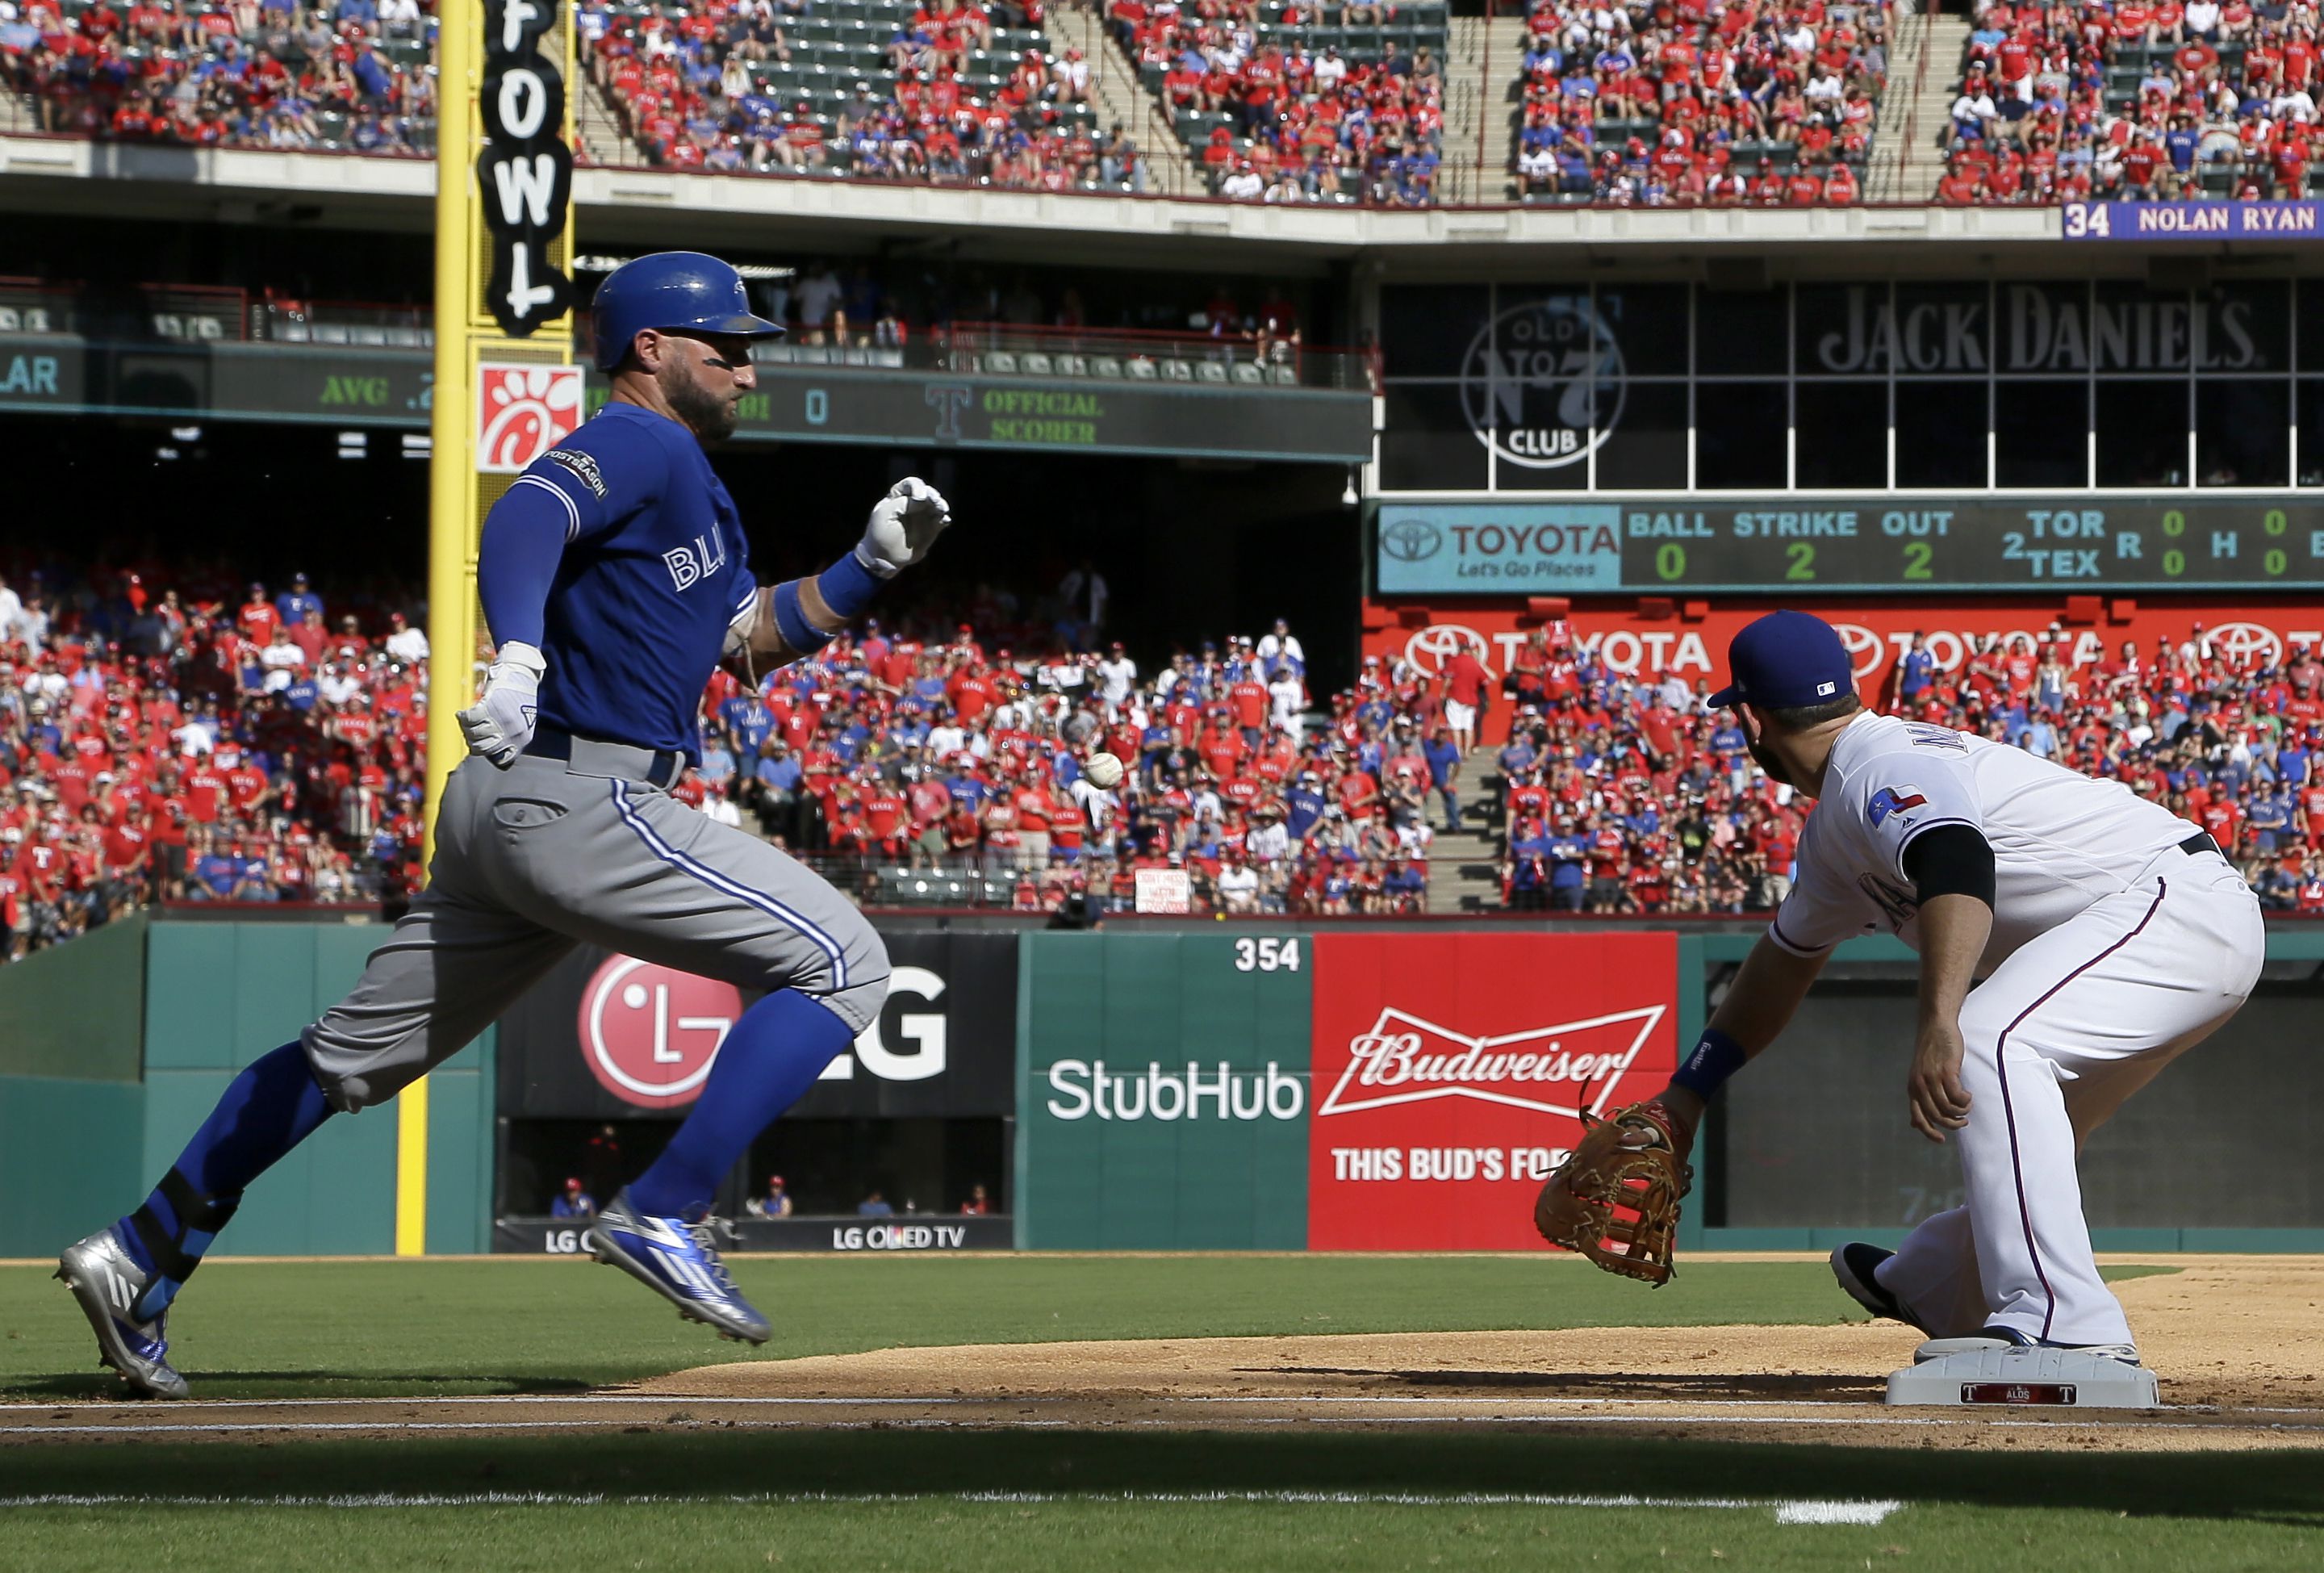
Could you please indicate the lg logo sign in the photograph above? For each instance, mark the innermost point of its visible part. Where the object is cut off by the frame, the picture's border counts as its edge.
(924, 1030)
(650, 1034)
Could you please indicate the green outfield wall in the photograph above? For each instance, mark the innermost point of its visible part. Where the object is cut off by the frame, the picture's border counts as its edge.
(114, 1048)
(1123, 1037)
(64, 1011)
(1162, 1092)
(1204, 1085)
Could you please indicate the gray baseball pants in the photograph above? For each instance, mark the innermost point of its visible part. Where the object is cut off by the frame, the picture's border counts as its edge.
(532, 859)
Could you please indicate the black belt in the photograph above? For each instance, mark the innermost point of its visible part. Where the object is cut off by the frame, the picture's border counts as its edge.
(556, 743)
(2198, 844)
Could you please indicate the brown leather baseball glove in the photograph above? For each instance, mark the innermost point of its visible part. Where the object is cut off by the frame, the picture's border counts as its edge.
(1616, 1200)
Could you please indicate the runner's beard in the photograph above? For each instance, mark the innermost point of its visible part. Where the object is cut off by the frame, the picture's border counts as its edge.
(710, 416)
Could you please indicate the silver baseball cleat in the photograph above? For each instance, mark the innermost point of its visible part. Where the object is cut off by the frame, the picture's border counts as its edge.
(678, 1259)
(2001, 1336)
(108, 1283)
(2126, 1353)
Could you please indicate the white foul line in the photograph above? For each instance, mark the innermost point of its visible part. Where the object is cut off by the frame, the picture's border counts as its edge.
(559, 1399)
(1803, 1511)
(690, 1400)
(2081, 1419)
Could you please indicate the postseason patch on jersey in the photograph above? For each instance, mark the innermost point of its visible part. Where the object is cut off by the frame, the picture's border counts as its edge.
(1890, 800)
(583, 467)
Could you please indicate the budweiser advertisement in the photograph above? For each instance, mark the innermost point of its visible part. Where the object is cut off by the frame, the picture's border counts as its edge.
(1876, 632)
(1451, 1072)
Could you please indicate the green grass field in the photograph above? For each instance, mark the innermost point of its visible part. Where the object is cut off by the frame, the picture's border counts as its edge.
(920, 1499)
(257, 1329)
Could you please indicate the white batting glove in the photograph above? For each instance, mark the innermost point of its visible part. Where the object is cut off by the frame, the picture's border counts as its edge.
(501, 723)
(904, 524)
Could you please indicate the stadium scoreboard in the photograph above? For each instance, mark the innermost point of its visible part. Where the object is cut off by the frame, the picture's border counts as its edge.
(1797, 545)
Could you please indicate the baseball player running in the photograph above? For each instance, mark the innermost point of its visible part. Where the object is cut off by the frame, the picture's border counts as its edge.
(2111, 936)
(614, 576)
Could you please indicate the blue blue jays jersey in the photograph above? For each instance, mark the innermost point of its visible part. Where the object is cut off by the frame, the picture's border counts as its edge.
(655, 569)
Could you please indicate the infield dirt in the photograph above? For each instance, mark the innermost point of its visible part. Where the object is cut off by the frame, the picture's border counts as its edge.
(2232, 1338)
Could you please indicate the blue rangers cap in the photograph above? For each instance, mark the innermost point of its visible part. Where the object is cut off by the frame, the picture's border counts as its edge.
(672, 291)
(1783, 661)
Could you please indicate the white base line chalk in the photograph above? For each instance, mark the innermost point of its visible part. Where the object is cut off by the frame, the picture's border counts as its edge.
(1786, 1511)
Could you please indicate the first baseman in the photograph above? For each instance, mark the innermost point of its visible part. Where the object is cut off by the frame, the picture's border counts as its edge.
(2111, 936)
(614, 576)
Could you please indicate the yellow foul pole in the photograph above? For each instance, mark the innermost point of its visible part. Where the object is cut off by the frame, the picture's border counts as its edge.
(503, 235)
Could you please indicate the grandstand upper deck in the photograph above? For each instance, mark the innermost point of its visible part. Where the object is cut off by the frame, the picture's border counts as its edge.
(1330, 119)
(637, 206)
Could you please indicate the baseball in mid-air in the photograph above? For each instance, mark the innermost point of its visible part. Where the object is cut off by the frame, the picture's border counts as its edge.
(1103, 770)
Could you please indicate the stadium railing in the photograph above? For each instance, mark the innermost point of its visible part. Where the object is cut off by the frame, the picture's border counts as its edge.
(343, 322)
(875, 882)
(1008, 349)
(192, 313)
(197, 313)
(1099, 355)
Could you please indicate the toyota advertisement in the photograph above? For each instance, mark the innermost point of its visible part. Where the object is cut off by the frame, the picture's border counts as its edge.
(1695, 649)
(1452, 1071)
(606, 1036)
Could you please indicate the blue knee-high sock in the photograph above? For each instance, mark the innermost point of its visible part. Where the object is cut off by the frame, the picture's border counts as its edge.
(767, 1064)
(267, 1110)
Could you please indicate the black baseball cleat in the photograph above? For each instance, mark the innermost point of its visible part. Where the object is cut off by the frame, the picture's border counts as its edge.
(1854, 1265)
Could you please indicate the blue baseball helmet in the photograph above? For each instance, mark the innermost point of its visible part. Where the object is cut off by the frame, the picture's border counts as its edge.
(672, 292)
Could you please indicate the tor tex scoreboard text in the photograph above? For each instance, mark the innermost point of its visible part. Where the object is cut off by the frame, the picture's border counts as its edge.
(1796, 545)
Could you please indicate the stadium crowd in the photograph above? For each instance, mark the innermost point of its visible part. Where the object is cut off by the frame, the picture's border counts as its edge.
(203, 745)
(1770, 102)
(200, 744)
(952, 751)
(707, 85)
(1287, 123)
(197, 744)
(2136, 101)
(350, 74)
(1619, 794)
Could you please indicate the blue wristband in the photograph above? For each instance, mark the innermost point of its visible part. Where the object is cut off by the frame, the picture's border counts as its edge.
(790, 621)
(848, 587)
(1716, 1058)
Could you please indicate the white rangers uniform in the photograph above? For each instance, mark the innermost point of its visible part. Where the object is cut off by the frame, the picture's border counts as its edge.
(2120, 939)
